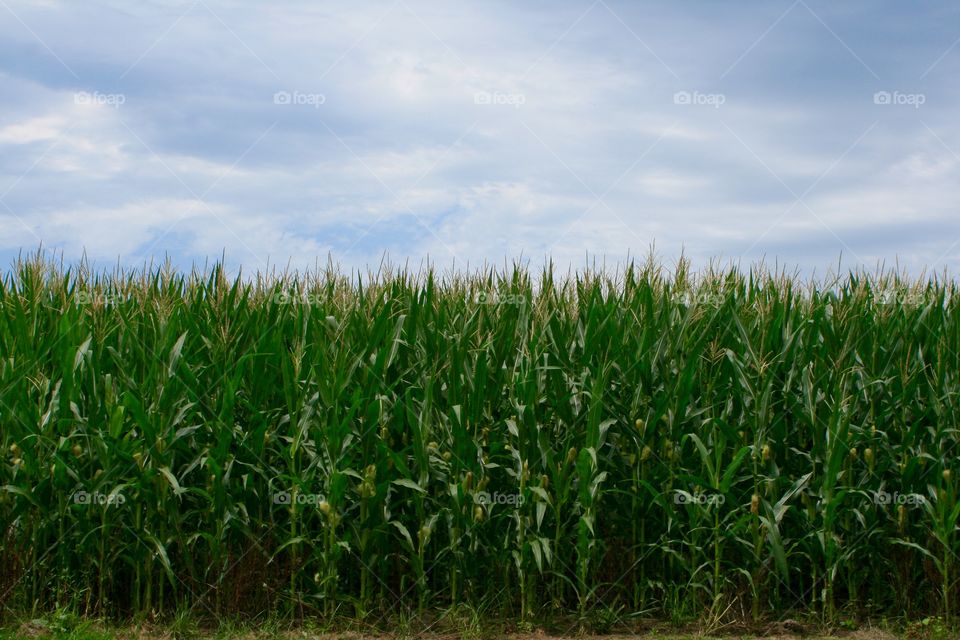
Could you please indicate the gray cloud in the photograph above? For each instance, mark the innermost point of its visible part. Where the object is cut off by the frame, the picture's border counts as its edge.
(479, 130)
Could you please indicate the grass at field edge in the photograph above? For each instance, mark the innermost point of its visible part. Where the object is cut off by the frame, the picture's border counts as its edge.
(42, 629)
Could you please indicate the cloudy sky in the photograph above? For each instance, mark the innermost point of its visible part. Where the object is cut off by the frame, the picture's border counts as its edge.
(796, 130)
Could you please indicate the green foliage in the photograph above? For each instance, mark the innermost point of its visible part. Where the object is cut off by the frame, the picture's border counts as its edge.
(191, 445)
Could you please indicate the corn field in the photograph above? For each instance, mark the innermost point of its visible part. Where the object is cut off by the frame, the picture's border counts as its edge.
(650, 442)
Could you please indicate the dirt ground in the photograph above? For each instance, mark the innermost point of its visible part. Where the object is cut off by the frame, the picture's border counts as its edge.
(30, 631)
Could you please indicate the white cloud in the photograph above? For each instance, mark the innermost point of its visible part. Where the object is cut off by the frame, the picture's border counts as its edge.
(588, 111)
(33, 130)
